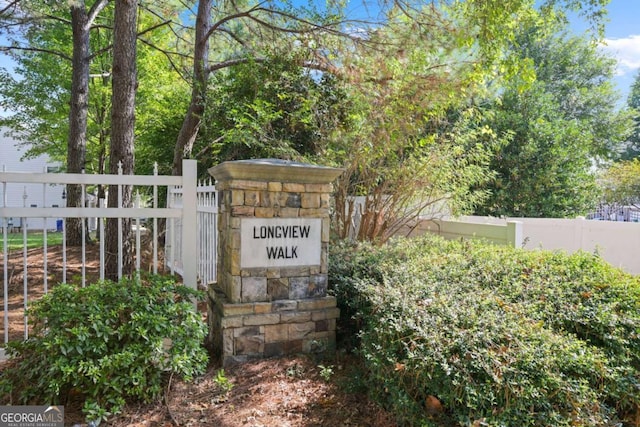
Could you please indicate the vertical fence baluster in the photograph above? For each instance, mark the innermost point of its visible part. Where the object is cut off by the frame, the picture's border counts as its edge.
(25, 282)
(216, 205)
(119, 225)
(64, 250)
(45, 245)
(202, 243)
(211, 234)
(83, 200)
(101, 203)
(200, 250)
(137, 206)
(210, 241)
(5, 258)
(155, 222)
(172, 232)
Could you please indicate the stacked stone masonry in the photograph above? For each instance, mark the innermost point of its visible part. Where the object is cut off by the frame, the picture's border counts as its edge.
(263, 329)
(244, 199)
(271, 311)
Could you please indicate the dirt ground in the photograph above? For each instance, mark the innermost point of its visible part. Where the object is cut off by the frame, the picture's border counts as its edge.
(282, 392)
(35, 278)
(294, 391)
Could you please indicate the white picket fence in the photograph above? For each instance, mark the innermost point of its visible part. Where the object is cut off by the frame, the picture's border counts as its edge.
(187, 252)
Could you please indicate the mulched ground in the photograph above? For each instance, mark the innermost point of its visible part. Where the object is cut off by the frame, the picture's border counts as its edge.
(282, 392)
(35, 278)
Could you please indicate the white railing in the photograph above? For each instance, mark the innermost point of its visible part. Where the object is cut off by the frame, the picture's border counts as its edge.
(186, 214)
(207, 223)
(615, 212)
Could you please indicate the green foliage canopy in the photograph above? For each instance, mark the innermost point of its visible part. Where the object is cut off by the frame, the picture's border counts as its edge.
(383, 91)
(633, 148)
(559, 127)
(272, 108)
(621, 183)
(36, 93)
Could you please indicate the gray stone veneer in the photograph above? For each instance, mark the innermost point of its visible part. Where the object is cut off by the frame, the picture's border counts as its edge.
(270, 311)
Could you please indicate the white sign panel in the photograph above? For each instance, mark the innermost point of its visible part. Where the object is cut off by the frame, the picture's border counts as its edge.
(280, 242)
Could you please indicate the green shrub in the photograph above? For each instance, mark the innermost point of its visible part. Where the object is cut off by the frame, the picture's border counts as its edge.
(108, 342)
(501, 336)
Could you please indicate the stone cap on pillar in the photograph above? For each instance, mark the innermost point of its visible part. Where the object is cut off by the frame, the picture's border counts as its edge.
(274, 170)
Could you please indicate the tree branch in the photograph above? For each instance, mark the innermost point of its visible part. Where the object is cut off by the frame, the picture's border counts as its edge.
(312, 26)
(53, 18)
(153, 27)
(228, 18)
(168, 55)
(171, 23)
(232, 62)
(233, 36)
(35, 49)
(9, 5)
(313, 65)
(95, 10)
(109, 47)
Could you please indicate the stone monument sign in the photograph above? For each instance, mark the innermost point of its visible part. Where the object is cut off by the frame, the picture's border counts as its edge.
(271, 295)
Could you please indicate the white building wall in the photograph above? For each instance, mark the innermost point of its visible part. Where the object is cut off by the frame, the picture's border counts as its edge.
(13, 195)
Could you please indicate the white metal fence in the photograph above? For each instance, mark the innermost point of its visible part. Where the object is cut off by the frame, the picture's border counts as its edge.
(207, 236)
(615, 212)
(191, 254)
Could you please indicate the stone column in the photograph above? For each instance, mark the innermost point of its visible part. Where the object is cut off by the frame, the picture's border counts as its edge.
(271, 295)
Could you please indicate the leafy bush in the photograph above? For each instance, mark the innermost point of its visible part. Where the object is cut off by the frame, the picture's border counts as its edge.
(108, 342)
(500, 336)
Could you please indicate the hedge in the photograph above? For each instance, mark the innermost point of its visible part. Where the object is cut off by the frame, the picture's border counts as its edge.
(495, 336)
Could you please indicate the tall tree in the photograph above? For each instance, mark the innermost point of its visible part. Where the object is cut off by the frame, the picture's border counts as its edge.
(82, 19)
(621, 183)
(559, 127)
(72, 25)
(121, 152)
(193, 117)
(633, 143)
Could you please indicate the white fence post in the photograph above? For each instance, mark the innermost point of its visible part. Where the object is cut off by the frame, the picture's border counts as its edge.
(578, 230)
(189, 223)
(514, 234)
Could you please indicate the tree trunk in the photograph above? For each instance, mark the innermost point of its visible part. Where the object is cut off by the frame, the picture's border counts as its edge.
(122, 131)
(81, 20)
(193, 118)
(77, 142)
